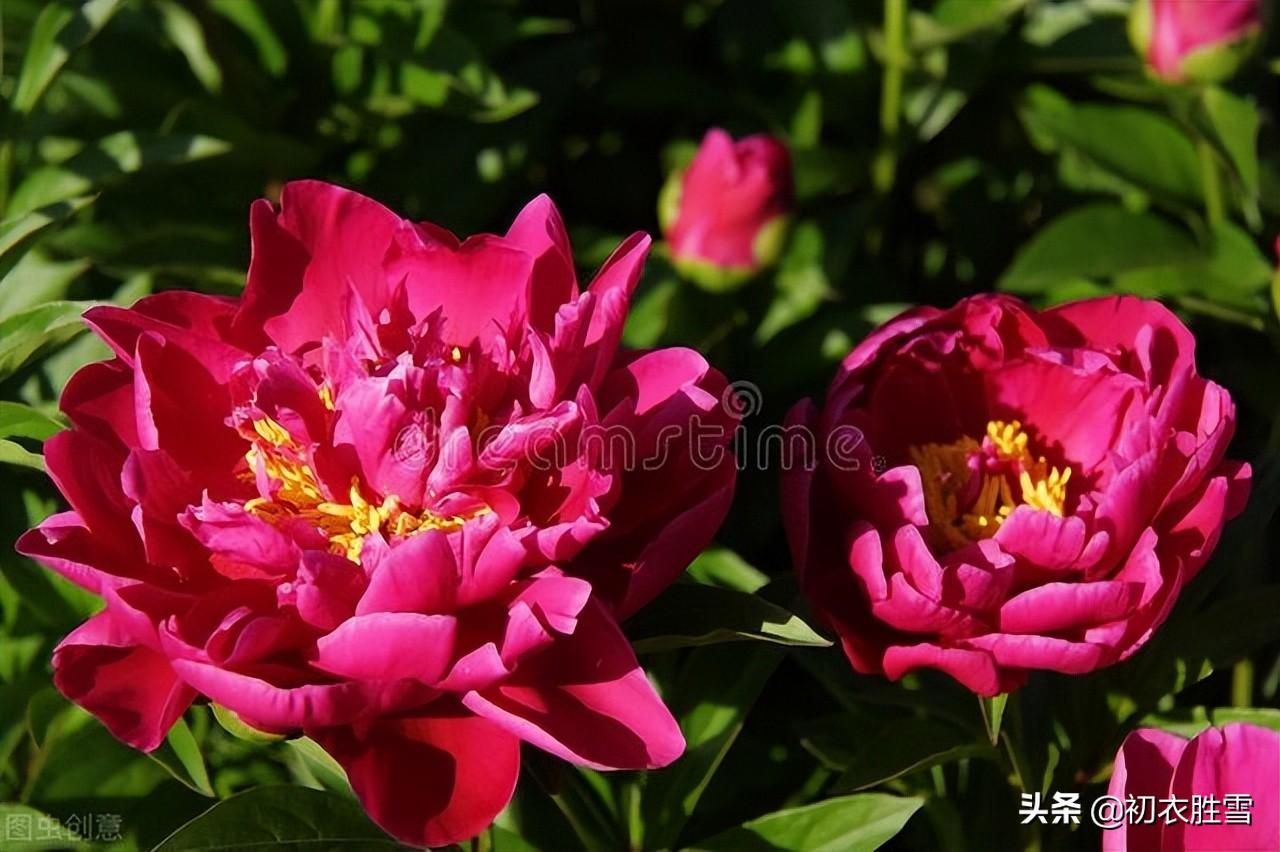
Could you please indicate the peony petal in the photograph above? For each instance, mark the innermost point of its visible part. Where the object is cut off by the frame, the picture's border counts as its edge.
(976, 670)
(130, 688)
(1236, 759)
(389, 646)
(1054, 607)
(1144, 767)
(430, 780)
(274, 708)
(586, 700)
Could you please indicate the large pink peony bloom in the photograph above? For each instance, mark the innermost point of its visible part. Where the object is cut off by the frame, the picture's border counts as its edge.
(725, 215)
(1237, 760)
(333, 505)
(1024, 490)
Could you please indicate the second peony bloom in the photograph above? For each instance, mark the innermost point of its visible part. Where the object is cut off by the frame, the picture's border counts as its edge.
(1027, 489)
(358, 503)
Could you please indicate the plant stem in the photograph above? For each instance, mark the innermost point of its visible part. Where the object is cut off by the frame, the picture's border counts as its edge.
(1213, 208)
(632, 815)
(1242, 684)
(885, 165)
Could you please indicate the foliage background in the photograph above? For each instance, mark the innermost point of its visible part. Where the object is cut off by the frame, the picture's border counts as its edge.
(941, 149)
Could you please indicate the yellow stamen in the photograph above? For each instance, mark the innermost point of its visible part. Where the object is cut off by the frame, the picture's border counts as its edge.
(298, 494)
(1013, 478)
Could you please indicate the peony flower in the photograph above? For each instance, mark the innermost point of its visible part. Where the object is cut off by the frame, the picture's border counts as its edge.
(1238, 760)
(726, 214)
(1004, 489)
(332, 505)
(1194, 39)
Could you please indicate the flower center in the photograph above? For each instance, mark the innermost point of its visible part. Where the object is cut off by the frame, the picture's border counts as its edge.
(296, 494)
(971, 487)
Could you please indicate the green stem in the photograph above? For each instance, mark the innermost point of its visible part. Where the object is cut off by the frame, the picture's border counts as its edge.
(632, 814)
(1242, 684)
(6, 166)
(1213, 207)
(885, 166)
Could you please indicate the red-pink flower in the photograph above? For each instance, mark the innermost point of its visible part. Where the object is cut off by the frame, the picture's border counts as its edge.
(725, 215)
(356, 503)
(1000, 489)
(1235, 773)
(1194, 39)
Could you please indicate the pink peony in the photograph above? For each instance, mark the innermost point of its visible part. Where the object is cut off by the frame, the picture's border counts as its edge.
(1024, 489)
(1194, 39)
(1235, 760)
(331, 505)
(725, 215)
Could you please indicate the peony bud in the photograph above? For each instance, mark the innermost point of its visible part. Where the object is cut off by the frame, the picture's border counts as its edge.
(725, 216)
(1194, 40)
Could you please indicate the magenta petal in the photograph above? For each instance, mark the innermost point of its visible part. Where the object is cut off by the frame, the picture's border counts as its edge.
(586, 700)
(1042, 652)
(389, 646)
(1240, 759)
(1144, 767)
(976, 670)
(62, 544)
(430, 780)
(275, 708)
(540, 231)
(321, 218)
(1054, 607)
(132, 689)
(611, 290)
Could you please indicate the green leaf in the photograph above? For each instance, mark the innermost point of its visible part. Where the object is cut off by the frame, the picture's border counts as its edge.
(1096, 241)
(720, 566)
(18, 234)
(1136, 144)
(800, 285)
(908, 745)
(60, 29)
(81, 761)
(993, 714)
(281, 818)
(952, 20)
(1232, 271)
(689, 614)
(15, 454)
(184, 31)
(36, 279)
(1191, 646)
(36, 329)
(180, 755)
(25, 829)
(1264, 717)
(237, 727)
(115, 155)
(249, 17)
(22, 421)
(579, 798)
(317, 768)
(1235, 122)
(859, 823)
(1189, 721)
(714, 691)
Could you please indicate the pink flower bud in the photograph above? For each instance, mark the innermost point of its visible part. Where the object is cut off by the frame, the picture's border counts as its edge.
(1194, 40)
(726, 213)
